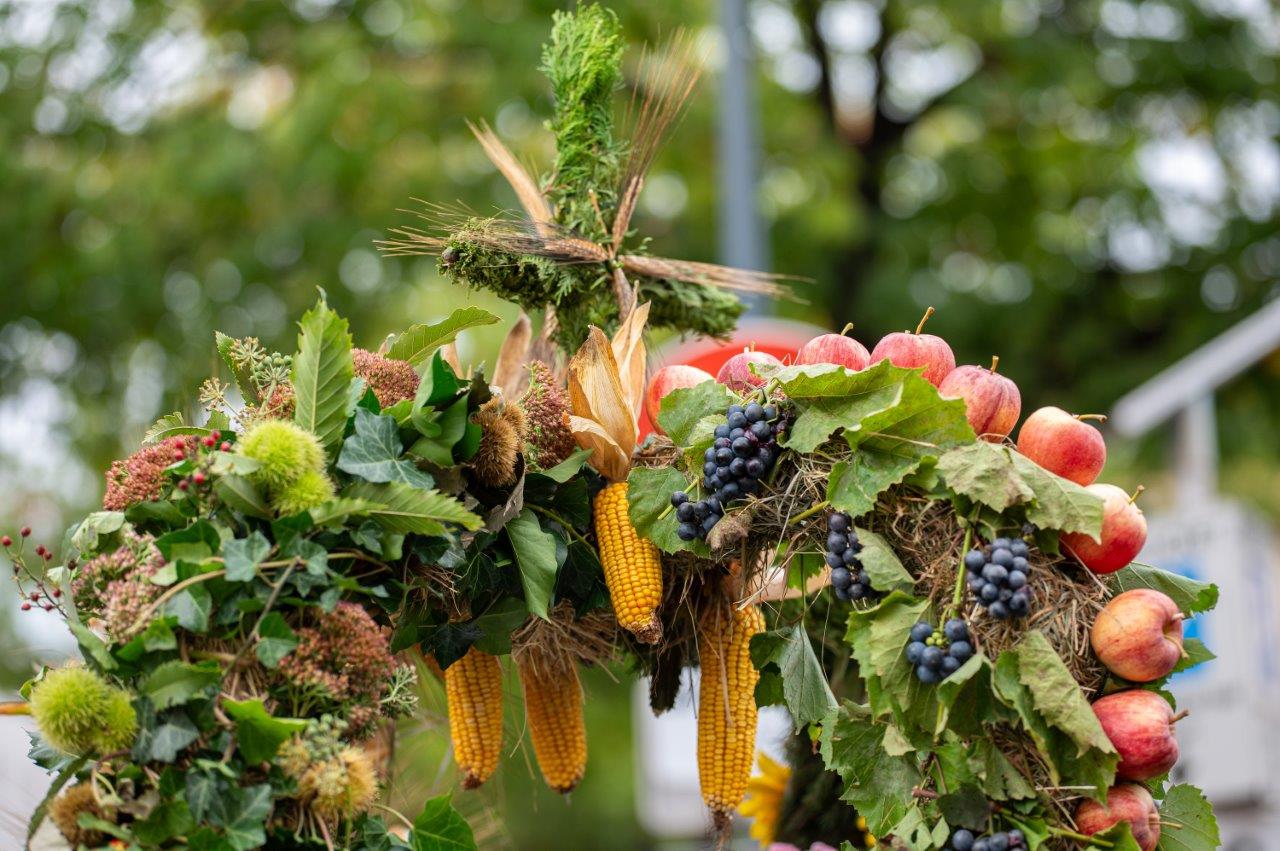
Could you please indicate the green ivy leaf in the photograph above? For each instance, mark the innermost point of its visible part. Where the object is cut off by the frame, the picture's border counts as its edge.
(681, 410)
(245, 827)
(242, 556)
(258, 733)
(1189, 823)
(1190, 596)
(441, 432)
(175, 683)
(535, 552)
(322, 373)
(407, 510)
(439, 827)
(170, 736)
(418, 342)
(374, 453)
(275, 640)
(97, 525)
(191, 606)
(804, 683)
(196, 542)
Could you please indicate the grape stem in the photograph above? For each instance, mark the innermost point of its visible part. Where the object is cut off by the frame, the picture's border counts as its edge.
(958, 597)
(809, 512)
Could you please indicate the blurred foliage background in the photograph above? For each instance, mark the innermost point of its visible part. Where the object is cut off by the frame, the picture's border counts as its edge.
(1088, 189)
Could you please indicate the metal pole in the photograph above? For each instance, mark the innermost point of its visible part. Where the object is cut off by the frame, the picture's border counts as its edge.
(742, 235)
(1196, 452)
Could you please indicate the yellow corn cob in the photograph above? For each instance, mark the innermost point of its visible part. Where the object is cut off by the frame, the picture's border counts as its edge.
(473, 686)
(632, 568)
(726, 707)
(553, 709)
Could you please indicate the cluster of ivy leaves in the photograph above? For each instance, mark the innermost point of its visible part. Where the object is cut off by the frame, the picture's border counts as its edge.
(887, 427)
(237, 575)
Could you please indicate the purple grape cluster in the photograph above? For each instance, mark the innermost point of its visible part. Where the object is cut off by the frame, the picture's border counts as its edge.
(1001, 840)
(939, 653)
(998, 576)
(849, 579)
(744, 451)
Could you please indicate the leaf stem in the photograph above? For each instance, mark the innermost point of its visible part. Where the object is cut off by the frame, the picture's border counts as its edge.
(958, 597)
(1071, 834)
(809, 512)
(568, 527)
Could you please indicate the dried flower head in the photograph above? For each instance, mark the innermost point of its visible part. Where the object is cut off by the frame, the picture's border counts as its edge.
(65, 812)
(91, 584)
(390, 380)
(143, 475)
(80, 713)
(343, 657)
(550, 440)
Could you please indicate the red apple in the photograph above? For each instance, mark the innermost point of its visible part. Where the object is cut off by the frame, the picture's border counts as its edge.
(674, 377)
(736, 373)
(1064, 444)
(1138, 635)
(837, 349)
(1139, 724)
(1129, 802)
(908, 350)
(991, 402)
(1124, 531)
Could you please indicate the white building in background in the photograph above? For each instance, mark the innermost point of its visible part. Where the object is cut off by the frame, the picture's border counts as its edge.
(1228, 743)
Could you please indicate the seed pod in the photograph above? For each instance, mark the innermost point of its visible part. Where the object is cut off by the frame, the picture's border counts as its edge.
(726, 706)
(473, 686)
(632, 567)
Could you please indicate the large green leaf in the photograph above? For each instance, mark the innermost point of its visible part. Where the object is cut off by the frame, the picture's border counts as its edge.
(879, 637)
(986, 473)
(683, 409)
(882, 565)
(408, 510)
(240, 494)
(418, 342)
(439, 827)
(535, 552)
(1190, 595)
(877, 784)
(322, 373)
(856, 484)
(1189, 823)
(175, 683)
(649, 491)
(1056, 694)
(804, 684)
(1059, 503)
(258, 733)
(374, 452)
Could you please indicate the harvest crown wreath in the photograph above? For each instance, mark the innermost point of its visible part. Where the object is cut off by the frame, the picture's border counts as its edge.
(970, 658)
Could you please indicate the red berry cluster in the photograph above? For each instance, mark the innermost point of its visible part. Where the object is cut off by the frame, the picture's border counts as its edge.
(199, 477)
(41, 595)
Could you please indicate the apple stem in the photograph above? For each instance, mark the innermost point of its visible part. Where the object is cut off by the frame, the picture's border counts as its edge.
(848, 326)
(1183, 714)
(1102, 418)
(995, 362)
(1137, 494)
(928, 312)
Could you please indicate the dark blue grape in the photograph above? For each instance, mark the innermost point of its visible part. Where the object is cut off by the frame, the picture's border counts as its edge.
(710, 522)
(687, 531)
(737, 419)
(849, 556)
(741, 447)
(921, 631)
(837, 522)
(738, 467)
(734, 409)
(841, 577)
(1019, 605)
(863, 577)
(722, 430)
(729, 492)
(990, 592)
(857, 591)
(709, 468)
(960, 651)
(1020, 549)
(722, 443)
(1004, 558)
(724, 473)
(998, 610)
(700, 510)
(995, 573)
(834, 560)
(712, 483)
(1017, 579)
(754, 412)
(949, 665)
(999, 842)
(1016, 837)
(914, 651)
(678, 498)
(709, 455)
(736, 433)
(928, 676)
(1020, 563)
(931, 657)
(1001, 543)
(842, 594)
(724, 456)
(765, 455)
(955, 630)
(974, 560)
(755, 468)
(837, 542)
(976, 583)
(761, 430)
(713, 505)
(684, 513)
(981, 844)
(1005, 594)
(962, 840)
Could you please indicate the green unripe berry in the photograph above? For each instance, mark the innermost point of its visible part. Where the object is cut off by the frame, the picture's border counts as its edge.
(80, 713)
(309, 490)
(285, 451)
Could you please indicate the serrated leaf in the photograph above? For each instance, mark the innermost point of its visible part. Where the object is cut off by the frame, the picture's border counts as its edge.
(535, 553)
(1188, 819)
(877, 784)
(986, 473)
(168, 425)
(242, 556)
(405, 510)
(439, 827)
(649, 491)
(1196, 654)
(175, 683)
(882, 564)
(419, 342)
(856, 484)
(1189, 595)
(322, 373)
(1058, 503)
(879, 636)
(336, 511)
(1056, 694)
(804, 683)
(681, 410)
(374, 453)
(259, 734)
